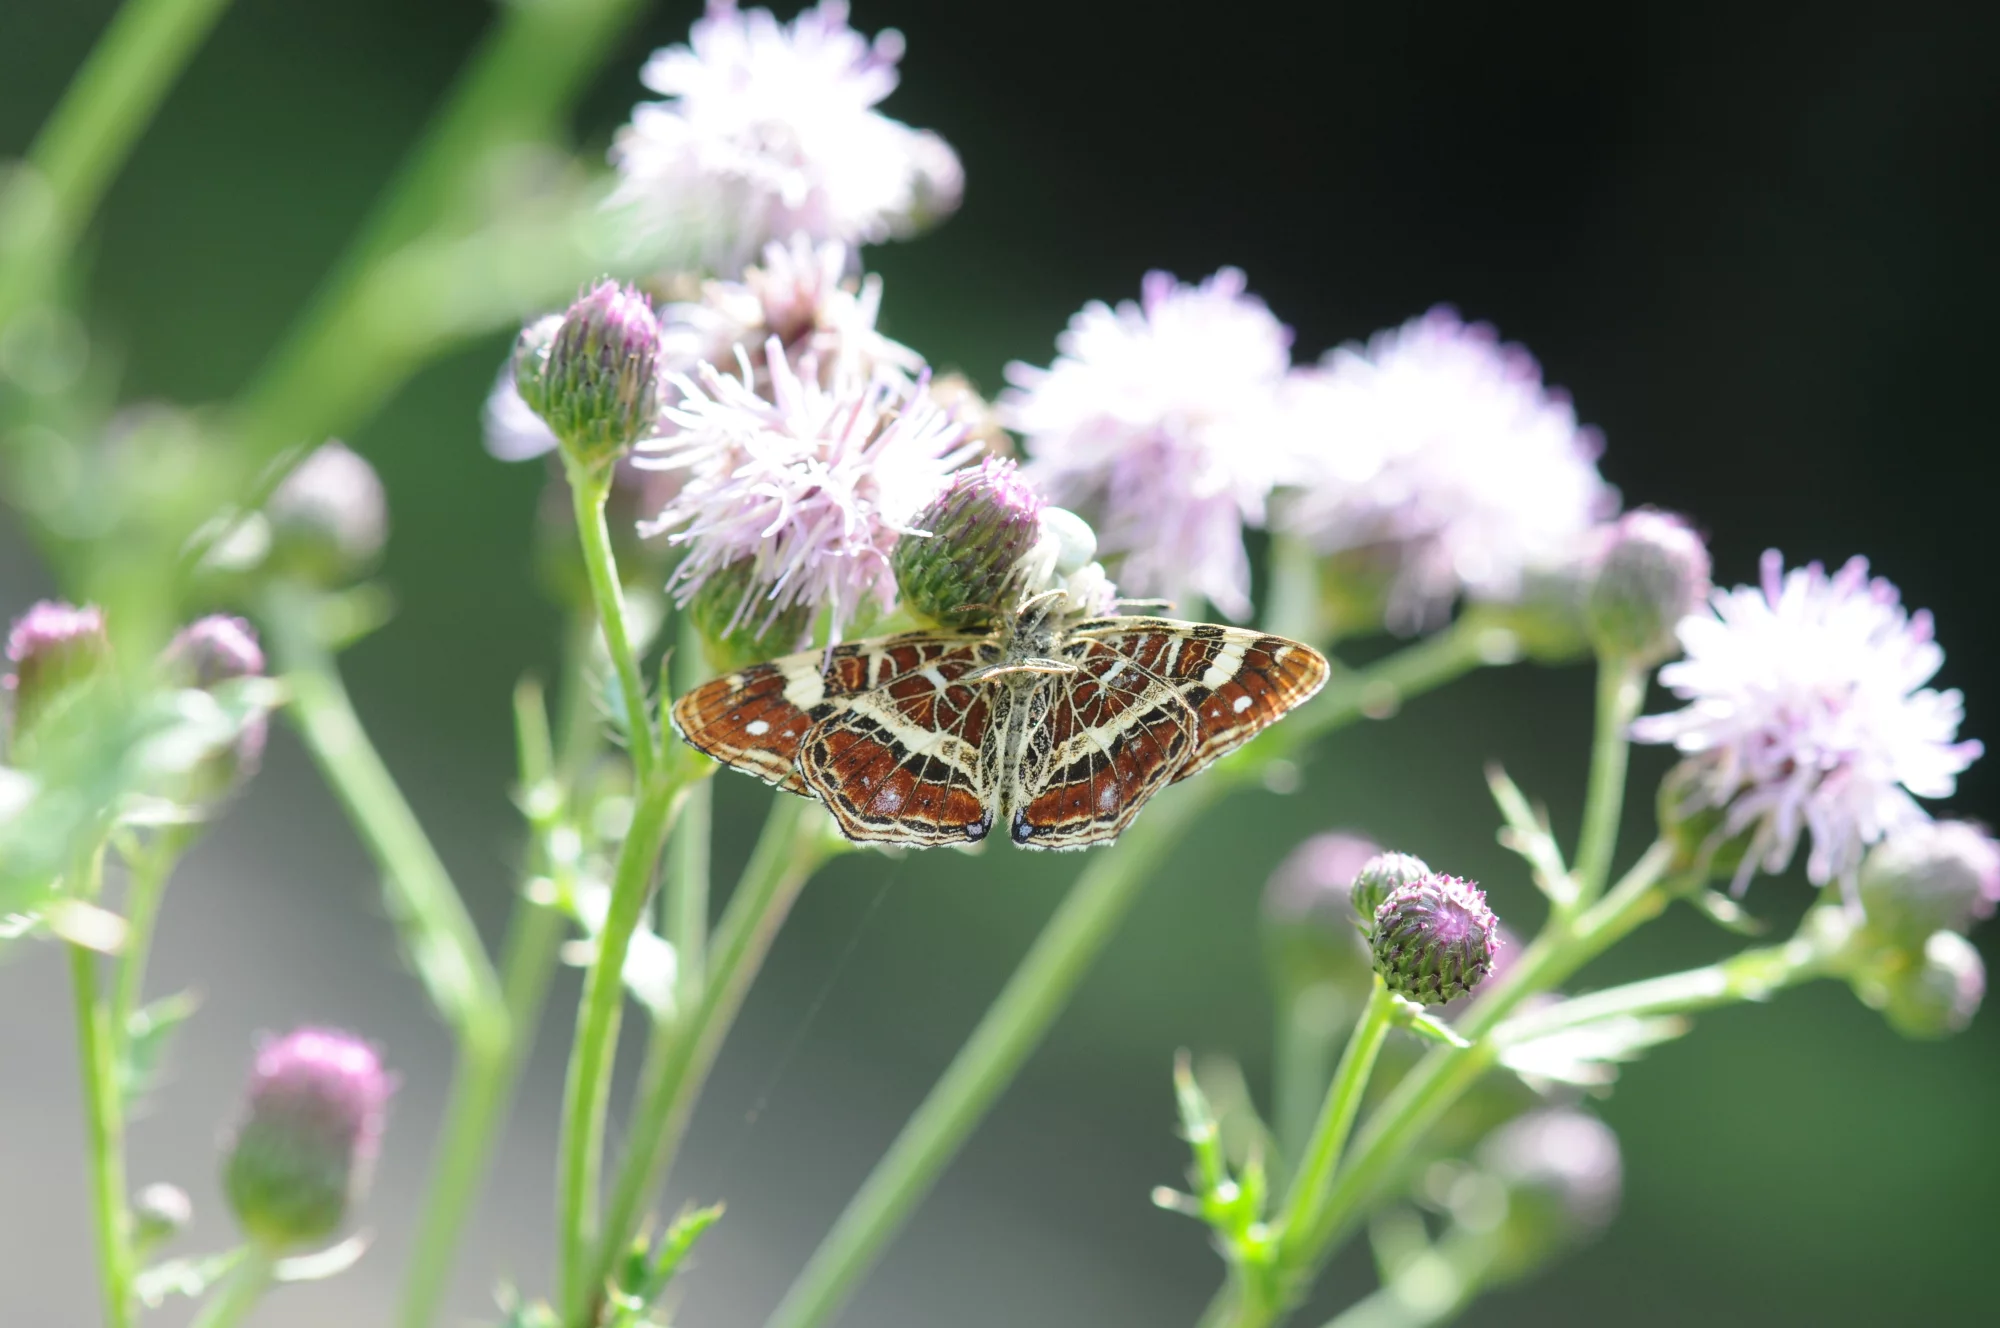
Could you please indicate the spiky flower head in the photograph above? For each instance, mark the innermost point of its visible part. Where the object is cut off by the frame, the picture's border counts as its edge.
(1564, 1177)
(1309, 920)
(204, 655)
(1928, 877)
(312, 1124)
(1439, 465)
(811, 485)
(969, 564)
(596, 381)
(1434, 940)
(733, 638)
(1164, 423)
(53, 651)
(770, 130)
(1649, 571)
(1807, 711)
(1380, 877)
(329, 518)
(1937, 995)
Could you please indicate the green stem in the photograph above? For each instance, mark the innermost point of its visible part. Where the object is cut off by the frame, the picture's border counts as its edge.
(1304, 1050)
(682, 1051)
(239, 1293)
(1336, 1121)
(587, 1089)
(1040, 987)
(107, 106)
(104, 1120)
(149, 873)
(589, 490)
(1621, 691)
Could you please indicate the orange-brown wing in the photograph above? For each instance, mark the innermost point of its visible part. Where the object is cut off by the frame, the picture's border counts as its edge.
(756, 719)
(908, 762)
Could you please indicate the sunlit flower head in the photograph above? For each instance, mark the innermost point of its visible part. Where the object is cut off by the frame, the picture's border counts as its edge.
(1807, 711)
(1437, 449)
(812, 484)
(769, 129)
(1162, 422)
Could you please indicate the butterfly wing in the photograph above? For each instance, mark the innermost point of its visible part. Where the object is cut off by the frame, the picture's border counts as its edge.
(907, 761)
(756, 719)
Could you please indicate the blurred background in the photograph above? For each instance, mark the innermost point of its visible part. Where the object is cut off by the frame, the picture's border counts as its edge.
(1755, 243)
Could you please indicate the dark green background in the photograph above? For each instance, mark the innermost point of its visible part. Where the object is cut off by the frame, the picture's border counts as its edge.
(1754, 242)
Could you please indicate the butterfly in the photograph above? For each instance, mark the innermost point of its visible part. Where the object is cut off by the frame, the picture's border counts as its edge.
(1058, 729)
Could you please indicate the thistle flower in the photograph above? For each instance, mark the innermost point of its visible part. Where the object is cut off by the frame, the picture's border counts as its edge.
(769, 130)
(203, 655)
(1442, 464)
(1564, 1177)
(812, 485)
(1380, 877)
(329, 518)
(510, 426)
(1309, 919)
(972, 557)
(312, 1124)
(1938, 995)
(1434, 940)
(596, 382)
(1929, 877)
(1649, 571)
(52, 650)
(734, 638)
(1162, 421)
(1807, 711)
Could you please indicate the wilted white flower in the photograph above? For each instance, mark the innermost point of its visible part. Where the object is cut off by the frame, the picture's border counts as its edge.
(770, 129)
(1438, 449)
(812, 484)
(1163, 421)
(1807, 710)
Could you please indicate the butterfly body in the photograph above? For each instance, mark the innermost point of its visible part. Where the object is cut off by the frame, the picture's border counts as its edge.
(1056, 729)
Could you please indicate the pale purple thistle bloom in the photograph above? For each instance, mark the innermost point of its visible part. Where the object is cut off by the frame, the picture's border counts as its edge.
(1162, 421)
(770, 129)
(1438, 446)
(814, 483)
(1807, 711)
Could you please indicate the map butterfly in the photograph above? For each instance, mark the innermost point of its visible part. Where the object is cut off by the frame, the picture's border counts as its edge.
(1058, 730)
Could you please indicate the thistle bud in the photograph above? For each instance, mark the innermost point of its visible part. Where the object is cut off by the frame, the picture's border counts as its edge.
(1563, 1176)
(54, 650)
(159, 1213)
(1938, 995)
(302, 1156)
(971, 562)
(204, 655)
(1651, 570)
(1380, 877)
(1434, 940)
(329, 518)
(736, 624)
(1929, 877)
(1309, 924)
(596, 379)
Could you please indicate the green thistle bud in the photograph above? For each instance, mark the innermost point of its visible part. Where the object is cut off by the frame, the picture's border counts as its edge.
(159, 1213)
(1651, 570)
(1309, 923)
(1380, 877)
(55, 651)
(204, 655)
(736, 624)
(1434, 940)
(329, 518)
(311, 1127)
(971, 562)
(1938, 995)
(596, 378)
(1930, 877)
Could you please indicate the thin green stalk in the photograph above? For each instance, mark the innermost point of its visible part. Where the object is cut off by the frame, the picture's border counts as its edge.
(587, 1089)
(239, 1292)
(1621, 690)
(1081, 926)
(589, 489)
(682, 1051)
(90, 133)
(1336, 1121)
(104, 1119)
(148, 873)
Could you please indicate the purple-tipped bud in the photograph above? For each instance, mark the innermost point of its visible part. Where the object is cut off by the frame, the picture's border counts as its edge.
(1933, 876)
(53, 650)
(159, 1213)
(1651, 571)
(1564, 1177)
(1434, 940)
(971, 564)
(1380, 877)
(736, 625)
(204, 655)
(1309, 924)
(1937, 996)
(596, 382)
(301, 1158)
(329, 518)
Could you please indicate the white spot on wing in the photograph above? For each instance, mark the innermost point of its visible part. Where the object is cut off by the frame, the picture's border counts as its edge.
(1227, 661)
(1240, 704)
(757, 728)
(804, 687)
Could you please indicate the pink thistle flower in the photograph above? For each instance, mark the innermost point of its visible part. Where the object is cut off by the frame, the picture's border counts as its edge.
(1162, 421)
(1807, 711)
(812, 483)
(1439, 448)
(770, 129)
